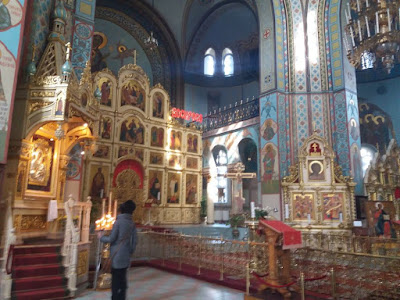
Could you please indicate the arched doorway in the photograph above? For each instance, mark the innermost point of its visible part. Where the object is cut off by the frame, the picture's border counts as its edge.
(128, 185)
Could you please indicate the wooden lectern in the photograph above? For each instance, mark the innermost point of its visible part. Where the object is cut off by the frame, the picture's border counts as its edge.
(280, 238)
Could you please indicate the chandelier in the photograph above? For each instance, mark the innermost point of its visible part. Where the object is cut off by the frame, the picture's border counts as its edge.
(373, 31)
(151, 42)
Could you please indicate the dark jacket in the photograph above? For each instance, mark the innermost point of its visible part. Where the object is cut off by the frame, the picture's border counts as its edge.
(123, 231)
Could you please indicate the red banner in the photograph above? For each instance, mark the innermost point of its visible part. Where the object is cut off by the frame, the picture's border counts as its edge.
(186, 115)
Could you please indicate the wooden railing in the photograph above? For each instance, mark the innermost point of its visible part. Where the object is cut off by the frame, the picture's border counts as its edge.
(75, 234)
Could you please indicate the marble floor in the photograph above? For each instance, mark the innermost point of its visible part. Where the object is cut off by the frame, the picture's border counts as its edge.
(152, 284)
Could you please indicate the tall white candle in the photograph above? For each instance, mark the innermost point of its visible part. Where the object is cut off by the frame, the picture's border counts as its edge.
(109, 203)
(309, 218)
(347, 17)
(348, 6)
(252, 209)
(115, 208)
(352, 37)
(366, 23)
(103, 206)
(286, 211)
(358, 5)
(377, 22)
(389, 19)
(367, 3)
(158, 196)
(359, 29)
(101, 193)
(341, 217)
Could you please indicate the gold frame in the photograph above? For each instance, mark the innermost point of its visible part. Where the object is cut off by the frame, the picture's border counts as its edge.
(303, 195)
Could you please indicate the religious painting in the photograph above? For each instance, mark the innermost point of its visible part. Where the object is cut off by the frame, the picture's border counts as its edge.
(123, 151)
(315, 149)
(139, 154)
(133, 94)
(356, 168)
(105, 128)
(191, 188)
(40, 165)
(269, 129)
(175, 161)
(157, 137)
(380, 216)
(60, 107)
(269, 169)
(103, 152)
(175, 140)
(158, 105)
(132, 131)
(84, 99)
(192, 143)
(156, 158)
(74, 163)
(173, 187)
(192, 163)
(316, 170)
(105, 86)
(21, 180)
(333, 206)
(353, 129)
(303, 206)
(98, 180)
(155, 185)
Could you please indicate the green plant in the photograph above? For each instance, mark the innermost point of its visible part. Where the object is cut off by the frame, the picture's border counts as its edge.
(260, 213)
(203, 207)
(236, 221)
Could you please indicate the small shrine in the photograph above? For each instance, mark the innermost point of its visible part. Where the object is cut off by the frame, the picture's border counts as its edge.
(316, 194)
(144, 152)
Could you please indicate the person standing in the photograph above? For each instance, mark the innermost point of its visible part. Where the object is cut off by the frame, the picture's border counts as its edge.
(123, 239)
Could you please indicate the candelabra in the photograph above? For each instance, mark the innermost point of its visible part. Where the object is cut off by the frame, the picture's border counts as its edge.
(373, 31)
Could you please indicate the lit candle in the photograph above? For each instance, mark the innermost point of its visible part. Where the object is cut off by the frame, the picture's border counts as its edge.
(377, 21)
(359, 29)
(366, 23)
(286, 211)
(388, 17)
(103, 206)
(309, 218)
(341, 217)
(115, 208)
(109, 203)
(252, 209)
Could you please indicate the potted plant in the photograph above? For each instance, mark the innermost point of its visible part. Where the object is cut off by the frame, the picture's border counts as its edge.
(235, 221)
(203, 209)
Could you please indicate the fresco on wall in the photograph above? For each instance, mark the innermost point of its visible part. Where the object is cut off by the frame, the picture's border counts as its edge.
(103, 152)
(156, 158)
(375, 125)
(113, 47)
(132, 94)
(74, 163)
(12, 13)
(192, 143)
(269, 169)
(192, 162)
(132, 130)
(269, 129)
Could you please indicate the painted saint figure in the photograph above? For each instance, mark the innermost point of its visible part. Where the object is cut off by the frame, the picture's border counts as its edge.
(98, 184)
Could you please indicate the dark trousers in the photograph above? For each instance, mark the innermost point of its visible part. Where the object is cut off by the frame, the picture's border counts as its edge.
(118, 284)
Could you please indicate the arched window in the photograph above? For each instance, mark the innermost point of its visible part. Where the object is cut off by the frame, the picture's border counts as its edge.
(227, 62)
(209, 62)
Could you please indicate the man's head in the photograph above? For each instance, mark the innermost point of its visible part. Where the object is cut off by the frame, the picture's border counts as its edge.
(128, 207)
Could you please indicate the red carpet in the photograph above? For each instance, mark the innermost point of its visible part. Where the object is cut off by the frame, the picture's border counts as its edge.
(37, 273)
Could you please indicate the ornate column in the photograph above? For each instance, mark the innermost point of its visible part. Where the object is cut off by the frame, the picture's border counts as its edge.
(64, 159)
(210, 202)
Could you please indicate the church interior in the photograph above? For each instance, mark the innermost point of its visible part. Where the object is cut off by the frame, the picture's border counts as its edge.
(258, 140)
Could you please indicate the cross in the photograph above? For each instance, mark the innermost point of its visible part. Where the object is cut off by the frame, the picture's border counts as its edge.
(314, 146)
(68, 51)
(237, 187)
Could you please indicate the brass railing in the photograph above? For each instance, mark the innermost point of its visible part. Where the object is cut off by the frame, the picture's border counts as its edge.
(336, 274)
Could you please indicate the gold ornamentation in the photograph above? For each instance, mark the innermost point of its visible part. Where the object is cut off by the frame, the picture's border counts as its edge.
(82, 262)
(33, 222)
(48, 80)
(43, 93)
(35, 105)
(39, 168)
